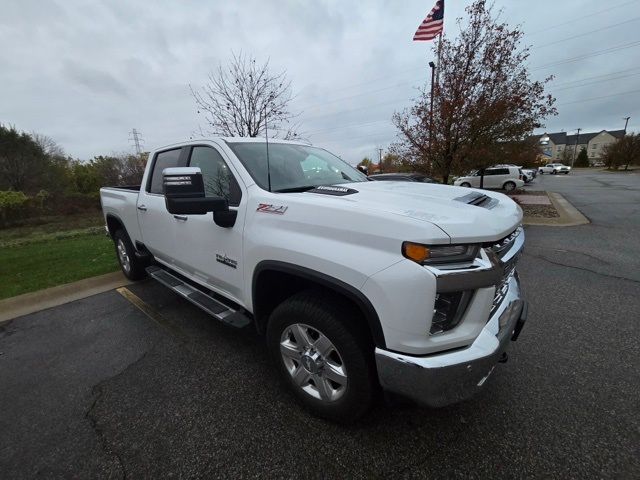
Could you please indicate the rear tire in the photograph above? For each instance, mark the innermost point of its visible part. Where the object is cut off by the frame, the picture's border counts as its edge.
(323, 356)
(465, 184)
(132, 267)
(509, 186)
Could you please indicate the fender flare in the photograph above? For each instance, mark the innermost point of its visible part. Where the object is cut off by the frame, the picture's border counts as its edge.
(326, 281)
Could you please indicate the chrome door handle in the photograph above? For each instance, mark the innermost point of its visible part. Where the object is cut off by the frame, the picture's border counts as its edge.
(184, 218)
(142, 208)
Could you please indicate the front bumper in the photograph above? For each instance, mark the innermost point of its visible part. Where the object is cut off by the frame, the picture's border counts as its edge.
(442, 379)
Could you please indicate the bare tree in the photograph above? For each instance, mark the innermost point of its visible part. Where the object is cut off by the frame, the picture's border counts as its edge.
(484, 97)
(236, 100)
(48, 145)
(625, 151)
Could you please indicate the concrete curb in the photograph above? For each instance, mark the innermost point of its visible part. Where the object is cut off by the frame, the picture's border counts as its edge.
(27, 303)
(570, 216)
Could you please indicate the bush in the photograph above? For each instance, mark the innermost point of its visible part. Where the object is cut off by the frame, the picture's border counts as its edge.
(582, 160)
(12, 206)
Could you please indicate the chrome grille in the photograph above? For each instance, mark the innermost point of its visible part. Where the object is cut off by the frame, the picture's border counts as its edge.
(503, 245)
(509, 269)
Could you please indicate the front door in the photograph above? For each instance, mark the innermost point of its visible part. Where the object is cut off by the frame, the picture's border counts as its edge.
(207, 251)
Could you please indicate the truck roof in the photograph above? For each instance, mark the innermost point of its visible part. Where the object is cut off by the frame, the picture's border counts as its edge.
(235, 140)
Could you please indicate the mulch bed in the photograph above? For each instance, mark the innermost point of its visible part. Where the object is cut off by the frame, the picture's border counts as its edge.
(540, 211)
(535, 211)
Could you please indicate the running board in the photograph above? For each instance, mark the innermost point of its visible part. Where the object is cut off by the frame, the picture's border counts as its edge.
(213, 307)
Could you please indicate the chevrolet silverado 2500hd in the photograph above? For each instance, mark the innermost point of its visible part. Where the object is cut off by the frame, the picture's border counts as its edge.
(355, 284)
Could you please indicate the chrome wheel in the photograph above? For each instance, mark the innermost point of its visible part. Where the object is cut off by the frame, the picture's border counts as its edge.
(123, 256)
(314, 363)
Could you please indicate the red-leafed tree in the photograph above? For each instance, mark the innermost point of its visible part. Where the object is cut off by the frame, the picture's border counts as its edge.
(484, 98)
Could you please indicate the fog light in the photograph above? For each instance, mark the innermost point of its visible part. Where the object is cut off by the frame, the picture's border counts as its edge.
(448, 311)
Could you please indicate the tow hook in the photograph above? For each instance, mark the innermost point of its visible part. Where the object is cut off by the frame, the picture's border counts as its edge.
(504, 357)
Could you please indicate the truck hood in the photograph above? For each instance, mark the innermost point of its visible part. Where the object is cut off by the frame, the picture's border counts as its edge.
(441, 205)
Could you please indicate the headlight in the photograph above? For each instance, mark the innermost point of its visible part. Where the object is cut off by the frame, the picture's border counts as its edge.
(437, 254)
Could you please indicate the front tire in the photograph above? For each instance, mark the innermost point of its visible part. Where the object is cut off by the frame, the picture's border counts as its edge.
(465, 184)
(132, 267)
(509, 186)
(323, 355)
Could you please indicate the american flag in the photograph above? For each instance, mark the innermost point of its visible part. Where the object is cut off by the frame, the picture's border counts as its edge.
(431, 26)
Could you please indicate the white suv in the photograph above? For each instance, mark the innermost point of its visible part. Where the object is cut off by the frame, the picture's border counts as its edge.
(506, 178)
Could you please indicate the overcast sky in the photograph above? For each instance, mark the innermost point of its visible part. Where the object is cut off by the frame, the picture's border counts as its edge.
(87, 72)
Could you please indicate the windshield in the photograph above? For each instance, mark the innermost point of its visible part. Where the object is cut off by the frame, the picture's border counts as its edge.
(294, 166)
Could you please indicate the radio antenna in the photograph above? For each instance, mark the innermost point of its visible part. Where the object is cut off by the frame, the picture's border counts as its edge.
(266, 135)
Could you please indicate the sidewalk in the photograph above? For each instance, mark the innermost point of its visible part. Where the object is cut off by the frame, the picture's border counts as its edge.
(570, 216)
(27, 303)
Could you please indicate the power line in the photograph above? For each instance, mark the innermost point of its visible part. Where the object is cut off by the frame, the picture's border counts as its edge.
(347, 87)
(595, 76)
(575, 19)
(587, 33)
(617, 48)
(384, 121)
(597, 81)
(535, 68)
(599, 98)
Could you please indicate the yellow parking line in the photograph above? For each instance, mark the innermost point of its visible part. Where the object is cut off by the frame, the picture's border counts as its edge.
(149, 311)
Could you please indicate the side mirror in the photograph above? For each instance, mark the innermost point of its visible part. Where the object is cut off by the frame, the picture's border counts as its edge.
(184, 193)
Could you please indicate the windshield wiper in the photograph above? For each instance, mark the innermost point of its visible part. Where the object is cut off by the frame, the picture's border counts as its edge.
(302, 188)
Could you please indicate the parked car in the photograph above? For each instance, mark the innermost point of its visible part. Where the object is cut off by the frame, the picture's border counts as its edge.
(403, 177)
(529, 174)
(506, 178)
(554, 168)
(355, 284)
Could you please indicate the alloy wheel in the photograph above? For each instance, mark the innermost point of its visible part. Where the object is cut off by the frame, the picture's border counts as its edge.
(313, 361)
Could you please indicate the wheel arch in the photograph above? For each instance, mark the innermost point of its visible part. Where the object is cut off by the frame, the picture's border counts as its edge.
(114, 223)
(274, 281)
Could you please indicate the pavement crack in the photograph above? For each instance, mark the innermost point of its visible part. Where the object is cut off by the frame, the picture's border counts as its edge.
(540, 257)
(564, 250)
(100, 434)
(98, 391)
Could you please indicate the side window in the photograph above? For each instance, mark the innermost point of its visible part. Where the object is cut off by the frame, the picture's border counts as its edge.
(218, 179)
(163, 160)
(491, 171)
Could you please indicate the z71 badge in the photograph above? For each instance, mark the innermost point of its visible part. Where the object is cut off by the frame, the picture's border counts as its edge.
(268, 208)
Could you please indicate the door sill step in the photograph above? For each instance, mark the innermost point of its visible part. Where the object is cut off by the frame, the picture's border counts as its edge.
(213, 307)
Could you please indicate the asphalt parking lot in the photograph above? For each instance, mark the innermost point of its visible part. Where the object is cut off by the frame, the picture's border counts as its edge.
(97, 389)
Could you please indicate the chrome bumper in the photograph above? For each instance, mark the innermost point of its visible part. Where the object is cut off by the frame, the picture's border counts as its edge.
(442, 379)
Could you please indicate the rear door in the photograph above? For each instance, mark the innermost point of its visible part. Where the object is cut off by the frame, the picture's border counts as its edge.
(156, 223)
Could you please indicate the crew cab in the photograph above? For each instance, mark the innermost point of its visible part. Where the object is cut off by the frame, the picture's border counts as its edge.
(554, 169)
(355, 284)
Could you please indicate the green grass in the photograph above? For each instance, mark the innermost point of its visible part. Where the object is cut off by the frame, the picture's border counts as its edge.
(44, 259)
(43, 228)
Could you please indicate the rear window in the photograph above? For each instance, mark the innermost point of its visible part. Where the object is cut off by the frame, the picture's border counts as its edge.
(163, 160)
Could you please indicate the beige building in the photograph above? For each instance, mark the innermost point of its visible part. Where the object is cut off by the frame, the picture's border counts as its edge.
(594, 143)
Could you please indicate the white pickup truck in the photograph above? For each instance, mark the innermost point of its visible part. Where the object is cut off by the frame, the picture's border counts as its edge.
(355, 284)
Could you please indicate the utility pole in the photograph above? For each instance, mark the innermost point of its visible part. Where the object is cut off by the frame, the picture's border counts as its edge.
(575, 148)
(626, 122)
(380, 160)
(433, 78)
(136, 140)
